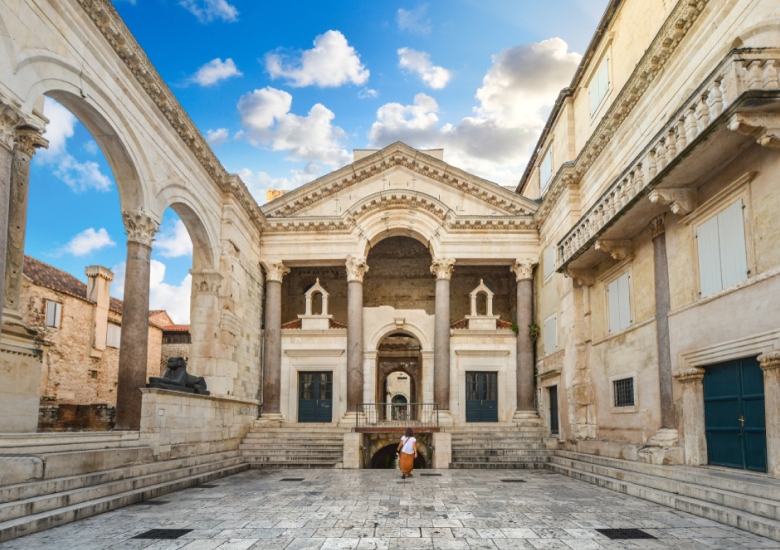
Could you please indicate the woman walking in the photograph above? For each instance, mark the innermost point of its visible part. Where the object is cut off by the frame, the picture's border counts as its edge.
(408, 449)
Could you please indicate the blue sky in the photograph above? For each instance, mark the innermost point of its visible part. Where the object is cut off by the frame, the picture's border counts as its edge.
(284, 91)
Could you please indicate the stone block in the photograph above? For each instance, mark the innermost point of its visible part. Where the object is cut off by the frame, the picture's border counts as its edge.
(442, 450)
(20, 469)
(352, 445)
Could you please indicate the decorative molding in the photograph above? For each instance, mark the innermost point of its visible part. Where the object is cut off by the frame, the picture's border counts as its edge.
(769, 360)
(10, 118)
(691, 374)
(443, 267)
(314, 352)
(618, 249)
(657, 226)
(356, 268)
(275, 270)
(765, 127)
(110, 24)
(139, 227)
(524, 269)
(681, 201)
(206, 281)
(27, 139)
(582, 277)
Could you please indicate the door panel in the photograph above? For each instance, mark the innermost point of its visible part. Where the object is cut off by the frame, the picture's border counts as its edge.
(315, 397)
(481, 397)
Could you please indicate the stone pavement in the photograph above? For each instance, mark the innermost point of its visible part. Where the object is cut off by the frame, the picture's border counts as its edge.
(375, 509)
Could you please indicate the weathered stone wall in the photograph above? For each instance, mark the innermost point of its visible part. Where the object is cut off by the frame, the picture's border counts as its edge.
(173, 350)
(497, 278)
(333, 279)
(67, 417)
(400, 276)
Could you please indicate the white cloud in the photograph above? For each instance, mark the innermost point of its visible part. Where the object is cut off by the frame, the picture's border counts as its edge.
(420, 64)
(79, 176)
(217, 137)
(208, 10)
(88, 241)
(260, 182)
(91, 147)
(331, 63)
(175, 299)
(215, 71)
(414, 20)
(266, 116)
(173, 241)
(367, 93)
(514, 100)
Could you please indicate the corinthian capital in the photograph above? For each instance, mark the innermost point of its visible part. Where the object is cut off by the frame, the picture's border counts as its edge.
(139, 227)
(769, 360)
(28, 139)
(523, 269)
(275, 270)
(10, 119)
(442, 267)
(356, 268)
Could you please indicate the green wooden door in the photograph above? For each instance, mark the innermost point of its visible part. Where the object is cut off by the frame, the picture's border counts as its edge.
(734, 414)
(481, 397)
(315, 397)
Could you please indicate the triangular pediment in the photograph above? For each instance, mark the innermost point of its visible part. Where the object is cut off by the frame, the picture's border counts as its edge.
(401, 169)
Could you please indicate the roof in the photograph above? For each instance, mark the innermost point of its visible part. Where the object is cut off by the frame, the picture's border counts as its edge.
(464, 324)
(176, 328)
(296, 324)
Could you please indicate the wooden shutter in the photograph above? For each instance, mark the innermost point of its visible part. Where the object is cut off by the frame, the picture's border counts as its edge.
(113, 336)
(708, 245)
(613, 299)
(545, 172)
(53, 314)
(731, 236)
(550, 335)
(549, 261)
(624, 301)
(599, 85)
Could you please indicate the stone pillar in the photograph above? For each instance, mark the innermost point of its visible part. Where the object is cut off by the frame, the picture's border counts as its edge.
(662, 307)
(205, 320)
(356, 269)
(523, 270)
(442, 268)
(27, 140)
(134, 340)
(693, 415)
(770, 364)
(9, 119)
(275, 271)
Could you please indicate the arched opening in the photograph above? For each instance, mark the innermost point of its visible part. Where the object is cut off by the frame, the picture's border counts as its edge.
(384, 458)
(399, 376)
(482, 303)
(400, 410)
(400, 276)
(316, 303)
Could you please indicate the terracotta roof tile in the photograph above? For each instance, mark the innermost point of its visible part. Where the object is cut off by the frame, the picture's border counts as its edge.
(176, 328)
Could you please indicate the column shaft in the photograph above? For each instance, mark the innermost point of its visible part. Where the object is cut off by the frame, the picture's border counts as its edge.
(441, 345)
(354, 344)
(525, 351)
(272, 353)
(6, 159)
(662, 307)
(134, 340)
(17, 225)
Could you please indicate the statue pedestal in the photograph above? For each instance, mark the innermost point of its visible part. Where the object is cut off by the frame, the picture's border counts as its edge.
(20, 363)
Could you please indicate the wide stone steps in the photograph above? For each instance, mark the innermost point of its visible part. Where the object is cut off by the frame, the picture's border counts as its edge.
(536, 464)
(500, 448)
(497, 455)
(744, 501)
(41, 512)
(299, 446)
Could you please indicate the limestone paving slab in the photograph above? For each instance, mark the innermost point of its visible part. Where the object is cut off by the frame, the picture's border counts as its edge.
(372, 509)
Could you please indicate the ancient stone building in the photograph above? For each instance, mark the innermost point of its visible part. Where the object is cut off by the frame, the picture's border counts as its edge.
(176, 340)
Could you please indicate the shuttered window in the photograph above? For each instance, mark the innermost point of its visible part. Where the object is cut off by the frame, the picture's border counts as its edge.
(53, 314)
(545, 170)
(113, 335)
(619, 299)
(599, 85)
(550, 335)
(722, 253)
(549, 261)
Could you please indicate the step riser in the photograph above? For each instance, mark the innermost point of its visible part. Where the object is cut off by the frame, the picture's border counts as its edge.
(489, 466)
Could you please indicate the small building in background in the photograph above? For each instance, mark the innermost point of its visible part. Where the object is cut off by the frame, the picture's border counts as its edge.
(272, 194)
(176, 342)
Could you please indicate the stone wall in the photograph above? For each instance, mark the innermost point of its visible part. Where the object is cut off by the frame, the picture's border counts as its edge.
(67, 417)
(333, 279)
(400, 276)
(173, 350)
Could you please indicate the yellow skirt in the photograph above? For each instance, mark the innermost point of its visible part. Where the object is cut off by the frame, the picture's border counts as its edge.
(407, 463)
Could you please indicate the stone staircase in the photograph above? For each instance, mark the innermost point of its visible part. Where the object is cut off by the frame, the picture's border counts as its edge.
(743, 500)
(36, 495)
(499, 447)
(294, 446)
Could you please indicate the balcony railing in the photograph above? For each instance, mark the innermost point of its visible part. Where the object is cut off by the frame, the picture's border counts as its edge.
(397, 415)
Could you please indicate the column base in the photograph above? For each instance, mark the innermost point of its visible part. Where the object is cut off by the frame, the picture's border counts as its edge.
(529, 419)
(663, 448)
(270, 420)
(349, 420)
(446, 419)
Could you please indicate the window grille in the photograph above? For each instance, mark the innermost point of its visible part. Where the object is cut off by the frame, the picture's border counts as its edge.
(624, 392)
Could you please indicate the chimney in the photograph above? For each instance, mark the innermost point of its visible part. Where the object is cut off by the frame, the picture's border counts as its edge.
(99, 293)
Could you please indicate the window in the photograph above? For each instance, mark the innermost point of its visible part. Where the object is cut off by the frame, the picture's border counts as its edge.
(624, 392)
(619, 298)
(554, 422)
(599, 85)
(549, 261)
(113, 336)
(722, 252)
(53, 314)
(550, 335)
(545, 170)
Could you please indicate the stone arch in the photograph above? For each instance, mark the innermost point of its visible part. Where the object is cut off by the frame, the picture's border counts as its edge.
(409, 329)
(200, 227)
(759, 36)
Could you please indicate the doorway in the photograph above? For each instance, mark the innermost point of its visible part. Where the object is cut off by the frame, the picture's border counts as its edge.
(315, 396)
(481, 397)
(398, 376)
(734, 414)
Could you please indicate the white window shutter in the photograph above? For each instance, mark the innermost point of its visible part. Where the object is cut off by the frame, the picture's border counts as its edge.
(549, 261)
(613, 299)
(733, 256)
(550, 335)
(49, 314)
(624, 301)
(57, 314)
(709, 257)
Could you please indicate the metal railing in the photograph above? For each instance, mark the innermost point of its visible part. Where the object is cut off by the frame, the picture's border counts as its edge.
(397, 415)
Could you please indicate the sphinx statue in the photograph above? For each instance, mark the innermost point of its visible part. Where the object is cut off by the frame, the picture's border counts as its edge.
(177, 378)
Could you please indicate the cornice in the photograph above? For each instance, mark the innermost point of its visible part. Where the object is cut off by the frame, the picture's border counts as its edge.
(110, 24)
(675, 28)
(399, 154)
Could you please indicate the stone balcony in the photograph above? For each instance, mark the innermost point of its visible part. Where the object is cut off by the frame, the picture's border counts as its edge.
(738, 104)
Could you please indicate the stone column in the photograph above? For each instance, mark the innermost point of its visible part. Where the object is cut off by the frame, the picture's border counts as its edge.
(134, 339)
(442, 268)
(9, 119)
(27, 139)
(523, 270)
(205, 319)
(662, 307)
(356, 269)
(770, 364)
(275, 271)
(693, 415)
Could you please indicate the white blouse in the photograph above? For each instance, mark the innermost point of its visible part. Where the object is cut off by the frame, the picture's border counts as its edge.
(408, 447)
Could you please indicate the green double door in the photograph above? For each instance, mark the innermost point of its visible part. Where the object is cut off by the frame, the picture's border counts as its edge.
(734, 414)
(315, 397)
(481, 397)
